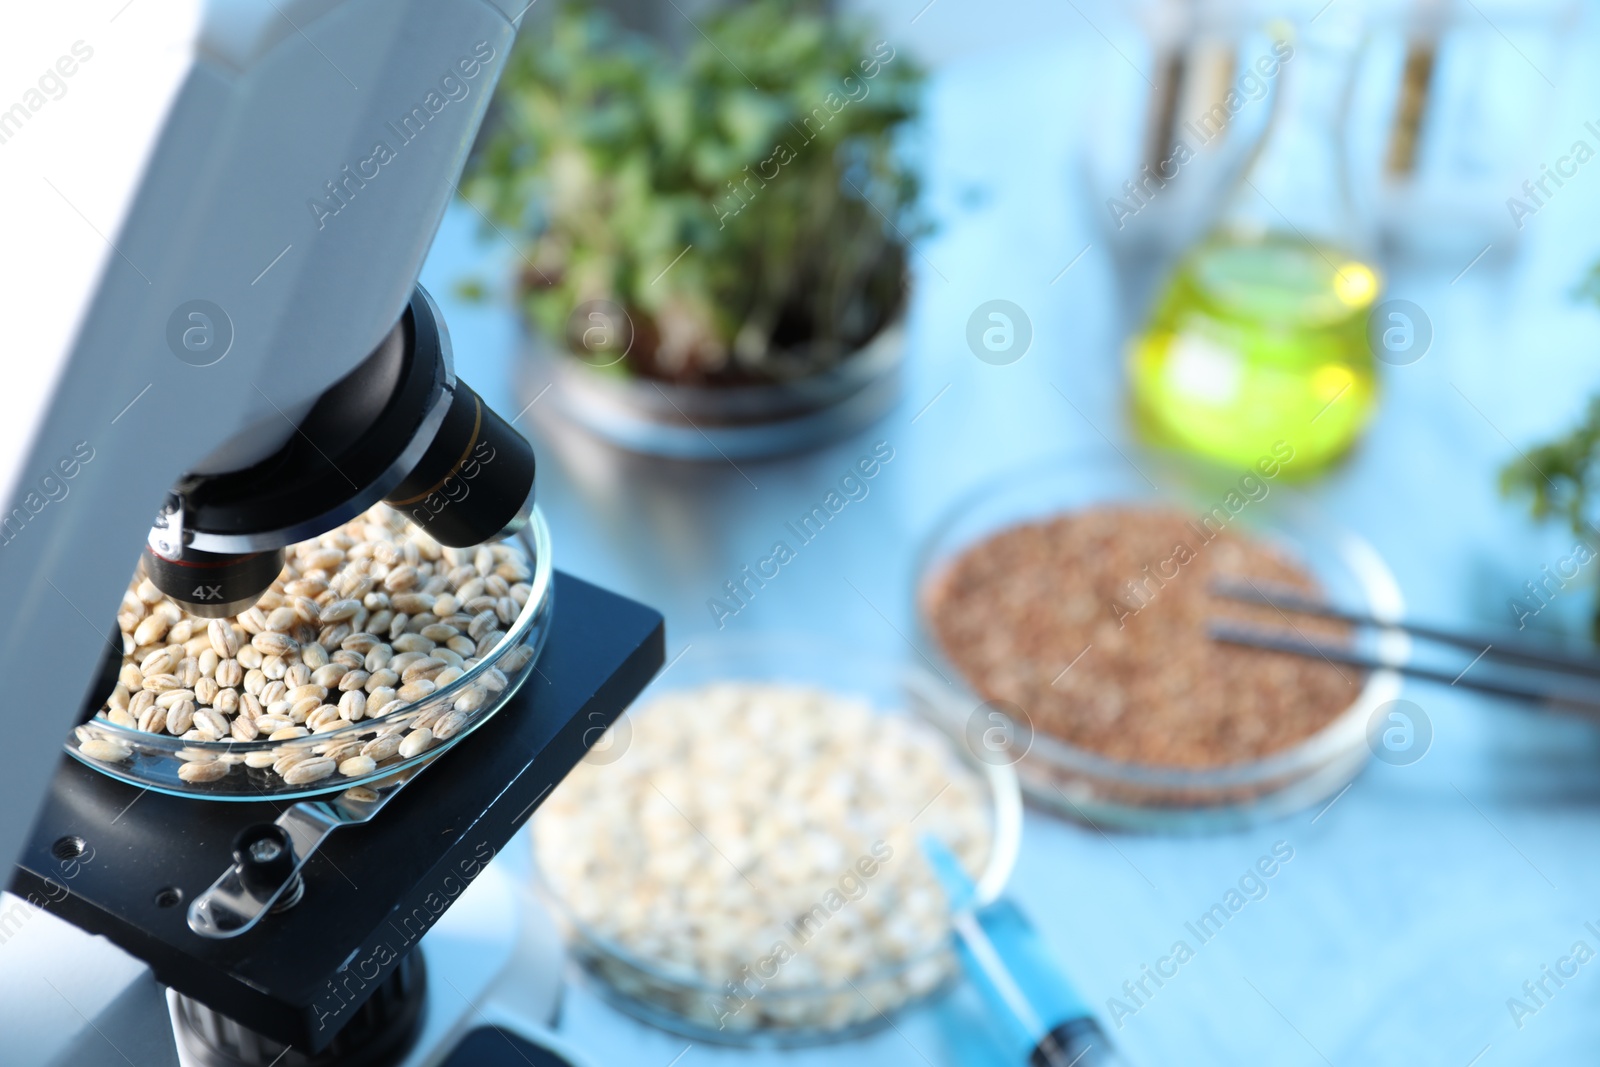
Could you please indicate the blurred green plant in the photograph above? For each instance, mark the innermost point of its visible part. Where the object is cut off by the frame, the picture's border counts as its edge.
(1561, 476)
(744, 203)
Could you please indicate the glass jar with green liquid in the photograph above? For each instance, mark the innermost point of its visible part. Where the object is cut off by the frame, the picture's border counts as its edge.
(1260, 333)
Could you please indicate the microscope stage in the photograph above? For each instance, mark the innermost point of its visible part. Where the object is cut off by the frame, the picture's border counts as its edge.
(371, 891)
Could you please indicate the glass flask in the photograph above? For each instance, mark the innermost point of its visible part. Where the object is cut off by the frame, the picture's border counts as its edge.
(1259, 336)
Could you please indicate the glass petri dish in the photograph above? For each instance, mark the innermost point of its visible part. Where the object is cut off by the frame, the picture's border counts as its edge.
(156, 761)
(1086, 786)
(672, 997)
(682, 420)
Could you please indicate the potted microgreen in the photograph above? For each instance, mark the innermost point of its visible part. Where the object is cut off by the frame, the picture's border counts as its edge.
(713, 245)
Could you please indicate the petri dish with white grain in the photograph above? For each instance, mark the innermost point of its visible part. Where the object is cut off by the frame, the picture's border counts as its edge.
(278, 705)
(738, 860)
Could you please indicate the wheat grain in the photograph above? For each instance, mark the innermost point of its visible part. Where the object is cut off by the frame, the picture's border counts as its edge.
(105, 750)
(416, 743)
(202, 770)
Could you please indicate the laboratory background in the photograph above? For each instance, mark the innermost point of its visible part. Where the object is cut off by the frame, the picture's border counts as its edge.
(979, 534)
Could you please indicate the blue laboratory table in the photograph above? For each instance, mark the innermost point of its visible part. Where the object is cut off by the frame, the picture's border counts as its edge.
(1418, 903)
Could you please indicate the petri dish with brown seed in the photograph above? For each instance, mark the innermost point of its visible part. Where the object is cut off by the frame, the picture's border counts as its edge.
(1068, 604)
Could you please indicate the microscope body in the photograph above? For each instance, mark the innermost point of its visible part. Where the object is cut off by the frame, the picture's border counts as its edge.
(230, 207)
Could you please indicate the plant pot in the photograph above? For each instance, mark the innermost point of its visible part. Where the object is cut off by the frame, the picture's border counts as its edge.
(720, 422)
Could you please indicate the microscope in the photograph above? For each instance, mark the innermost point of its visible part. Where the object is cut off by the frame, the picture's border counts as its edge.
(229, 355)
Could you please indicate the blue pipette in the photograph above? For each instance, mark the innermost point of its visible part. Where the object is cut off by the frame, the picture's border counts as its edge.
(1043, 1020)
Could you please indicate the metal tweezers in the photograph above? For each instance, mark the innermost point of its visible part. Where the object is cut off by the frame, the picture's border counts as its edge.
(1542, 675)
